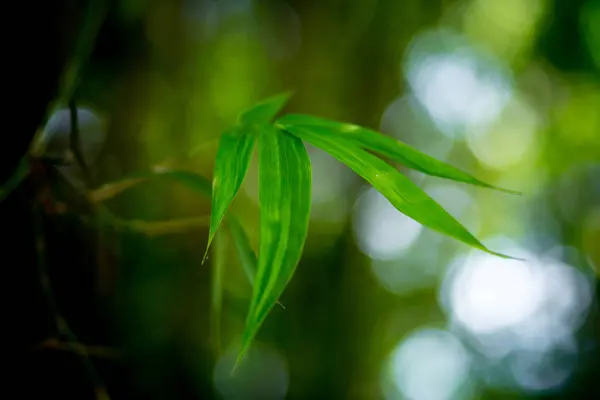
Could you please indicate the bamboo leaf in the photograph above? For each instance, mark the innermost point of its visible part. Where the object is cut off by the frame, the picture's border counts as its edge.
(284, 195)
(266, 110)
(244, 251)
(233, 158)
(245, 254)
(404, 195)
(386, 146)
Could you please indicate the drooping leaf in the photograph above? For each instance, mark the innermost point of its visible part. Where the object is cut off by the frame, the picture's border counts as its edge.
(386, 146)
(218, 264)
(244, 251)
(266, 110)
(233, 158)
(402, 193)
(245, 254)
(284, 195)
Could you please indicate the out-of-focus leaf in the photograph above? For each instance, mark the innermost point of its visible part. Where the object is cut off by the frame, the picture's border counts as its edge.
(284, 195)
(233, 157)
(112, 189)
(266, 110)
(245, 254)
(15, 180)
(386, 146)
(402, 193)
(218, 264)
(168, 227)
(193, 181)
(244, 251)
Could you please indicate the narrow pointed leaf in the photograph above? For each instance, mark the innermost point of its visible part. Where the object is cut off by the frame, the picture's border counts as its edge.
(266, 110)
(233, 158)
(402, 193)
(245, 254)
(284, 194)
(244, 251)
(386, 146)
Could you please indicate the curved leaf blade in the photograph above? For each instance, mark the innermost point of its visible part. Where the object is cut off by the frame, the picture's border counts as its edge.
(266, 110)
(245, 254)
(404, 195)
(244, 251)
(233, 158)
(284, 194)
(388, 147)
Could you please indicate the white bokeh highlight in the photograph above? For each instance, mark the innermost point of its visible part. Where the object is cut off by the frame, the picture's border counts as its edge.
(382, 232)
(263, 374)
(519, 312)
(458, 85)
(430, 364)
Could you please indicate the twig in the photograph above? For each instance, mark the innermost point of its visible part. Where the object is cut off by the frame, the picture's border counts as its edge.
(75, 144)
(96, 351)
(158, 228)
(62, 327)
(93, 20)
(110, 190)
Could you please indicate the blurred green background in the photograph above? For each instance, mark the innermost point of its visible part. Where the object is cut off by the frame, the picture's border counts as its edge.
(379, 308)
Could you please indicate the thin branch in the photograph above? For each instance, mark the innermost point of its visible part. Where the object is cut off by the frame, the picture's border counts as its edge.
(110, 190)
(62, 326)
(154, 228)
(75, 144)
(78, 348)
(159, 228)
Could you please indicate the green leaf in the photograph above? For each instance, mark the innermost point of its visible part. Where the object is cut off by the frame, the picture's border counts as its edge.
(244, 251)
(245, 254)
(233, 158)
(284, 195)
(218, 265)
(386, 146)
(404, 195)
(193, 181)
(266, 110)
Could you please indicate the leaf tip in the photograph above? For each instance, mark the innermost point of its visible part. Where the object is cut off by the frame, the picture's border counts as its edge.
(240, 358)
(505, 256)
(205, 256)
(285, 96)
(509, 191)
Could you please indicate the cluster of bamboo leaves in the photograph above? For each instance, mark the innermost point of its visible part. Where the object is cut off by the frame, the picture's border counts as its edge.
(285, 190)
(285, 194)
